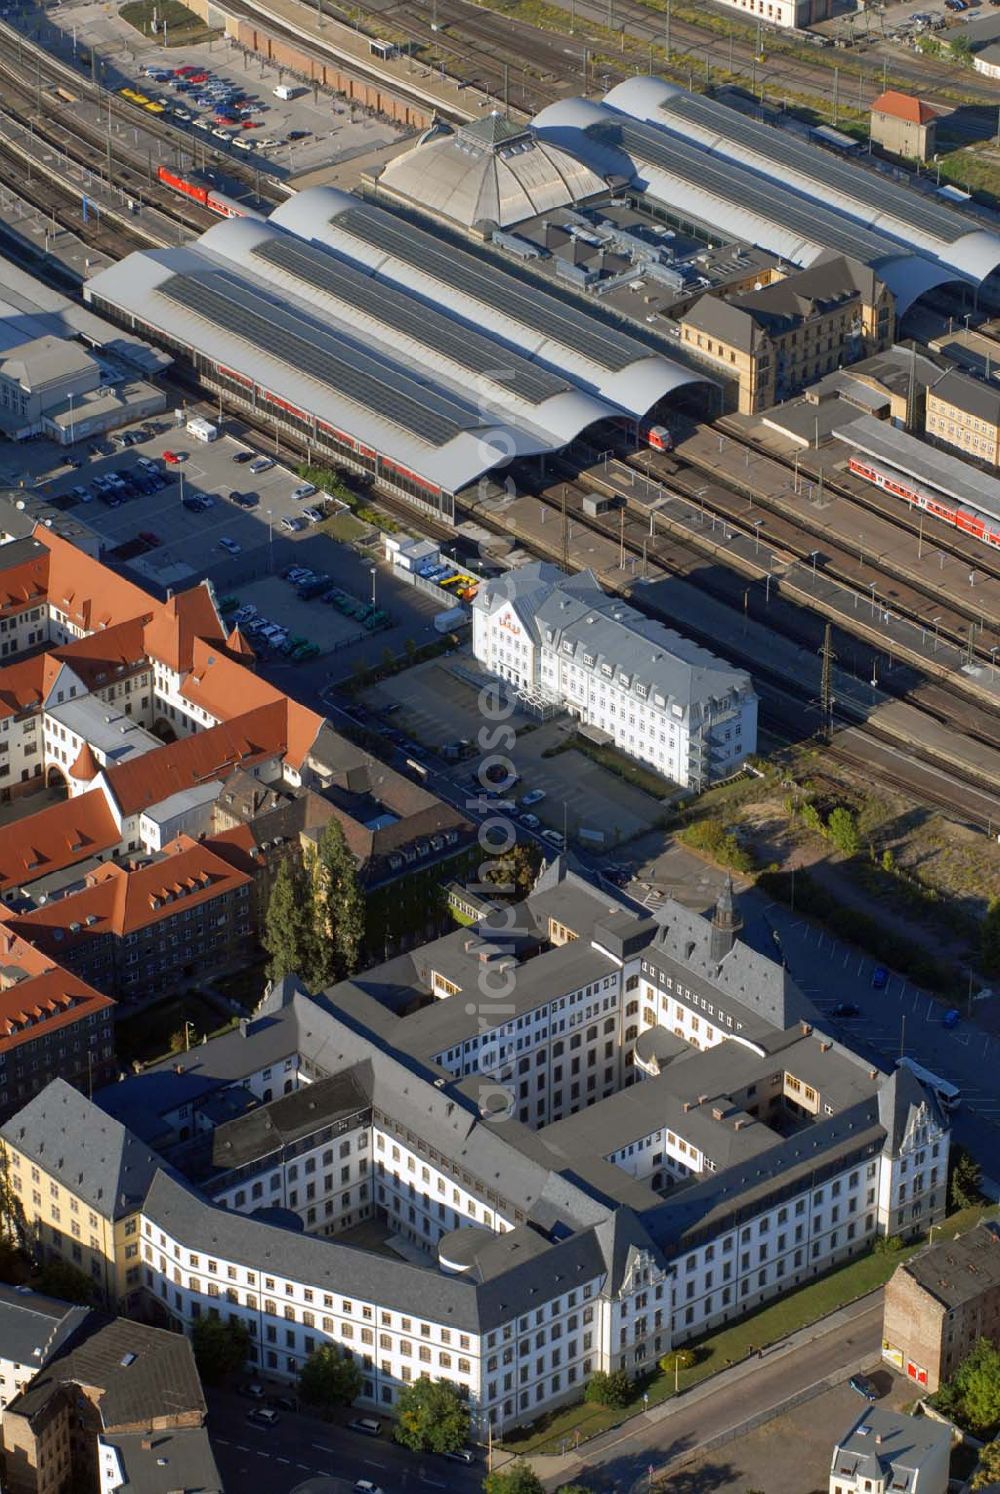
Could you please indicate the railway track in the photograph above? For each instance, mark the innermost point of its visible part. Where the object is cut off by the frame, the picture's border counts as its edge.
(839, 563)
(31, 92)
(870, 498)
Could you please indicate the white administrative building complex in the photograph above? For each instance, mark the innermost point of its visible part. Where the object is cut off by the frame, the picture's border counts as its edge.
(582, 1135)
(560, 639)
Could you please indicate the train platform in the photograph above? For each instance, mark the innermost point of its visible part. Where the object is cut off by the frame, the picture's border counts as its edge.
(870, 546)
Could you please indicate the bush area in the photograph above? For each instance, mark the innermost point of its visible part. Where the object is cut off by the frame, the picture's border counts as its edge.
(184, 28)
(712, 838)
(336, 484)
(860, 929)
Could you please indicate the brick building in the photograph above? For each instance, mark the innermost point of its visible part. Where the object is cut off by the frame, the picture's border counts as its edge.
(120, 1404)
(940, 1303)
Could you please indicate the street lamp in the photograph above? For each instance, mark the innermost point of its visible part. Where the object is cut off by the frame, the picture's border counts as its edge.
(372, 574)
(871, 587)
(756, 535)
(812, 556)
(270, 541)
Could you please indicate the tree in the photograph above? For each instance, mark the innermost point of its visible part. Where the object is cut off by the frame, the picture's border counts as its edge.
(515, 871)
(220, 1349)
(987, 1474)
(843, 831)
(990, 939)
(60, 1279)
(288, 927)
(338, 907)
(961, 50)
(328, 1378)
(518, 1478)
(431, 1416)
(964, 1180)
(972, 1395)
(611, 1388)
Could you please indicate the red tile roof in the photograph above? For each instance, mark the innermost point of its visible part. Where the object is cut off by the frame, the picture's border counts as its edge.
(177, 624)
(90, 594)
(119, 900)
(43, 1003)
(101, 658)
(24, 585)
(225, 688)
(904, 106)
(86, 767)
(56, 837)
(236, 643)
(153, 776)
(23, 685)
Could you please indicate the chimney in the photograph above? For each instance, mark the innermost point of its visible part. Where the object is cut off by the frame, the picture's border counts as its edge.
(244, 1027)
(147, 1444)
(825, 1045)
(805, 1028)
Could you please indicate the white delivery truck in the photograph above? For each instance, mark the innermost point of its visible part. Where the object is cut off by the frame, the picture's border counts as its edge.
(286, 91)
(203, 430)
(454, 617)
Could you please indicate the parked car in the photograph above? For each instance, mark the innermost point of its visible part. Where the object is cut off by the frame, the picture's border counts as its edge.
(231, 546)
(952, 1017)
(149, 537)
(313, 515)
(244, 500)
(304, 490)
(554, 838)
(263, 1416)
(365, 1486)
(369, 1426)
(845, 1009)
(461, 1455)
(261, 464)
(880, 978)
(251, 1390)
(534, 797)
(293, 526)
(862, 1386)
(174, 458)
(530, 821)
(242, 456)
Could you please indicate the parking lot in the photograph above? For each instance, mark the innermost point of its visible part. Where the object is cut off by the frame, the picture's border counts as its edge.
(437, 703)
(325, 128)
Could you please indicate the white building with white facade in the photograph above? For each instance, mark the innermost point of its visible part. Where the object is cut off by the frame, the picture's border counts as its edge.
(586, 1137)
(668, 702)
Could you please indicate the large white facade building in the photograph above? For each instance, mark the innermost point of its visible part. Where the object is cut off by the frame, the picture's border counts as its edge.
(561, 640)
(587, 1136)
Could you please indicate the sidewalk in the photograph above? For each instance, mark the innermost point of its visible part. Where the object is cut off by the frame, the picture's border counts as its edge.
(555, 1469)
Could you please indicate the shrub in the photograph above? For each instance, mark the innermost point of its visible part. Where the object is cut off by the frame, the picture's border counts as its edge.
(611, 1388)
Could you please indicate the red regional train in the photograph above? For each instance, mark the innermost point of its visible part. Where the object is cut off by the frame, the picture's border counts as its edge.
(982, 526)
(217, 202)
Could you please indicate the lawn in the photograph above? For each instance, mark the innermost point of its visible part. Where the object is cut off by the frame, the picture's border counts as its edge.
(729, 1345)
(344, 527)
(146, 1036)
(184, 28)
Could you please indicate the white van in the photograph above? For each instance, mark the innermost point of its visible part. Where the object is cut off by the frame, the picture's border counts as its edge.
(203, 430)
(286, 91)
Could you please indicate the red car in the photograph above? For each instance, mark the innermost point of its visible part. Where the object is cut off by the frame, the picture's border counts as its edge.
(184, 72)
(250, 124)
(174, 457)
(223, 119)
(148, 537)
(198, 77)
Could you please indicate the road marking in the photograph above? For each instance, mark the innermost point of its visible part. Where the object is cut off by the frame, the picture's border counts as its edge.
(223, 1442)
(282, 1460)
(434, 1483)
(370, 1463)
(242, 1449)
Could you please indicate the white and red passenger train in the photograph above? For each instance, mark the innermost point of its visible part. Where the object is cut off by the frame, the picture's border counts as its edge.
(206, 194)
(981, 524)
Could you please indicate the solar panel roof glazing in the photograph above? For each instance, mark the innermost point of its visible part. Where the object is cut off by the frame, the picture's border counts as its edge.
(605, 346)
(771, 200)
(303, 343)
(865, 186)
(425, 324)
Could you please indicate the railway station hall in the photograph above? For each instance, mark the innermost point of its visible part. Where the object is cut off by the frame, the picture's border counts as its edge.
(416, 360)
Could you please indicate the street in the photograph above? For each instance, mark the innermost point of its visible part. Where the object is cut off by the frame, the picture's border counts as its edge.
(809, 1361)
(273, 1460)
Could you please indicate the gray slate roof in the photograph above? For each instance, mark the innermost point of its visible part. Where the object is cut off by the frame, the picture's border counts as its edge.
(33, 1327)
(178, 1460)
(95, 1156)
(972, 396)
(960, 1270)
